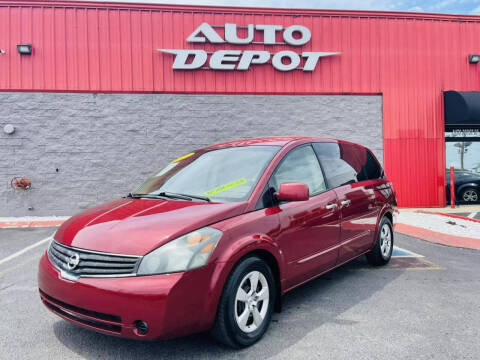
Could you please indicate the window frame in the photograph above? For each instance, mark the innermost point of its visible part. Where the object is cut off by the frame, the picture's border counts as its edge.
(320, 162)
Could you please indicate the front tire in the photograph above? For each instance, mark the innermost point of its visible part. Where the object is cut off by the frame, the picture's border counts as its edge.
(470, 195)
(382, 251)
(246, 305)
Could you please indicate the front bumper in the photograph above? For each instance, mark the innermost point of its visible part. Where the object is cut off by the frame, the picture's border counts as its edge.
(172, 305)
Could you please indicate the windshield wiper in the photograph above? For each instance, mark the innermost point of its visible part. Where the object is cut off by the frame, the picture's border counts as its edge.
(183, 196)
(168, 195)
(139, 196)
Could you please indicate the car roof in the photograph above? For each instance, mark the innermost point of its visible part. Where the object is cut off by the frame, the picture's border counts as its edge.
(271, 140)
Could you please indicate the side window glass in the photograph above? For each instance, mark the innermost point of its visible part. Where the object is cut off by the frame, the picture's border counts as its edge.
(300, 165)
(340, 163)
(356, 157)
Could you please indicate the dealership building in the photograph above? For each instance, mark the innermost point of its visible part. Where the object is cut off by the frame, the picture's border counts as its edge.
(96, 97)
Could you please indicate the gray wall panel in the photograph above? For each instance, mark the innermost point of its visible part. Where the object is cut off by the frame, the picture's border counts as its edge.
(104, 145)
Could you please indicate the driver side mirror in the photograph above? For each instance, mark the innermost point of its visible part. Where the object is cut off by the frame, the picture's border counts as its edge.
(291, 191)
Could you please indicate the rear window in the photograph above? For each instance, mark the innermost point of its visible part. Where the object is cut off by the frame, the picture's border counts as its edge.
(346, 163)
(372, 168)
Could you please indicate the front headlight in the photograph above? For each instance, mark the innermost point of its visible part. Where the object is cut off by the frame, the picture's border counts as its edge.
(187, 252)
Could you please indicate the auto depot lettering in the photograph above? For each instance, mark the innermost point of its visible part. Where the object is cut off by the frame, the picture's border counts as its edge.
(233, 59)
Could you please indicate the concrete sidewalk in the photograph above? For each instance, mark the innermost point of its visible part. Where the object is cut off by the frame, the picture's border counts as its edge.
(447, 209)
(442, 228)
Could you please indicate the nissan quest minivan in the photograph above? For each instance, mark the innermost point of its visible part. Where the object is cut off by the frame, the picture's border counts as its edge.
(213, 240)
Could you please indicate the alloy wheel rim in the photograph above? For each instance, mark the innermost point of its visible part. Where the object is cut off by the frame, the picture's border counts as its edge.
(385, 241)
(470, 195)
(251, 301)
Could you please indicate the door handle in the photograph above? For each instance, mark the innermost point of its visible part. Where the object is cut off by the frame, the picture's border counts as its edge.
(331, 206)
(346, 202)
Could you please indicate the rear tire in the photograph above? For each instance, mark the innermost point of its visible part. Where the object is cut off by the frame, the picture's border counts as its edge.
(382, 251)
(246, 305)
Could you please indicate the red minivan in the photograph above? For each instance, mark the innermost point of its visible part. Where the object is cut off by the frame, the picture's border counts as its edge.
(213, 240)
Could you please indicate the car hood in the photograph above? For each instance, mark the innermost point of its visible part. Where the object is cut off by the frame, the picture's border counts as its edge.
(137, 226)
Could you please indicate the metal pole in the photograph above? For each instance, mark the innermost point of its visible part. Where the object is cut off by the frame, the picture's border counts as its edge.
(452, 187)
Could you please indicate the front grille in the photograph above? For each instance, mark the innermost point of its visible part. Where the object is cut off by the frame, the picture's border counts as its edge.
(80, 262)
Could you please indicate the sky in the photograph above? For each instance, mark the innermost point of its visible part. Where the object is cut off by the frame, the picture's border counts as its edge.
(471, 7)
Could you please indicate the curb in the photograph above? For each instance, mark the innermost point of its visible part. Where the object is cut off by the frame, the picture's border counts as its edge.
(438, 238)
(449, 215)
(29, 224)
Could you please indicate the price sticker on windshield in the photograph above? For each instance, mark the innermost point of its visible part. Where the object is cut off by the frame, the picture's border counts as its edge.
(227, 186)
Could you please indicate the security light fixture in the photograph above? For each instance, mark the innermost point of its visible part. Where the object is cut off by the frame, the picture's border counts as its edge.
(9, 129)
(473, 59)
(24, 49)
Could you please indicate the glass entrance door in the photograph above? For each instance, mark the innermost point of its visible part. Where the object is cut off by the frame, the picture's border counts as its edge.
(462, 150)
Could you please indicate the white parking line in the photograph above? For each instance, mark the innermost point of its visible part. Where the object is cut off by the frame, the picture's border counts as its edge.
(472, 215)
(14, 267)
(24, 250)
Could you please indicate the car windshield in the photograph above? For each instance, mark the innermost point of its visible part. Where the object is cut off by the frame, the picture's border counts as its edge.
(225, 174)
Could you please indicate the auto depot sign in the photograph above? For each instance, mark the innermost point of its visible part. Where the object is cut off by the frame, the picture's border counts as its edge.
(233, 59)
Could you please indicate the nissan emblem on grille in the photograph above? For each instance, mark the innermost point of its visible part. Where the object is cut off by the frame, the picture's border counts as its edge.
(73, 261)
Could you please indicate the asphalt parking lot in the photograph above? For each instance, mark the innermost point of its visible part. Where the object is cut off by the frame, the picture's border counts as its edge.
(415, 308)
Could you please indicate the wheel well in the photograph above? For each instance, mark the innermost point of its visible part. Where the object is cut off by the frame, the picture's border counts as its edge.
(467, 186)
(273, 264)
(389, 216)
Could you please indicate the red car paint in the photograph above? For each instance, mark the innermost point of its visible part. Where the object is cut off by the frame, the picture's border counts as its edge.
(150, 222)
(301, 240)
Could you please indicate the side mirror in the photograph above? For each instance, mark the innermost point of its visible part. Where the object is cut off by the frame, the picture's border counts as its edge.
(293, 192)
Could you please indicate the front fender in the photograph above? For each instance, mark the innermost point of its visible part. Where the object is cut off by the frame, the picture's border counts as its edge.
(226, 261)
(467, 185)
(247, 244)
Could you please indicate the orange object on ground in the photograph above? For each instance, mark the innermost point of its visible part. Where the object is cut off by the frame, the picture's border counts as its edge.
(438, 238)
(34, 223)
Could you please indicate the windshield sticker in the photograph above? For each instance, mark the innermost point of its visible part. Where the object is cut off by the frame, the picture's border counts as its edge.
(227, 186)
(182, 157)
